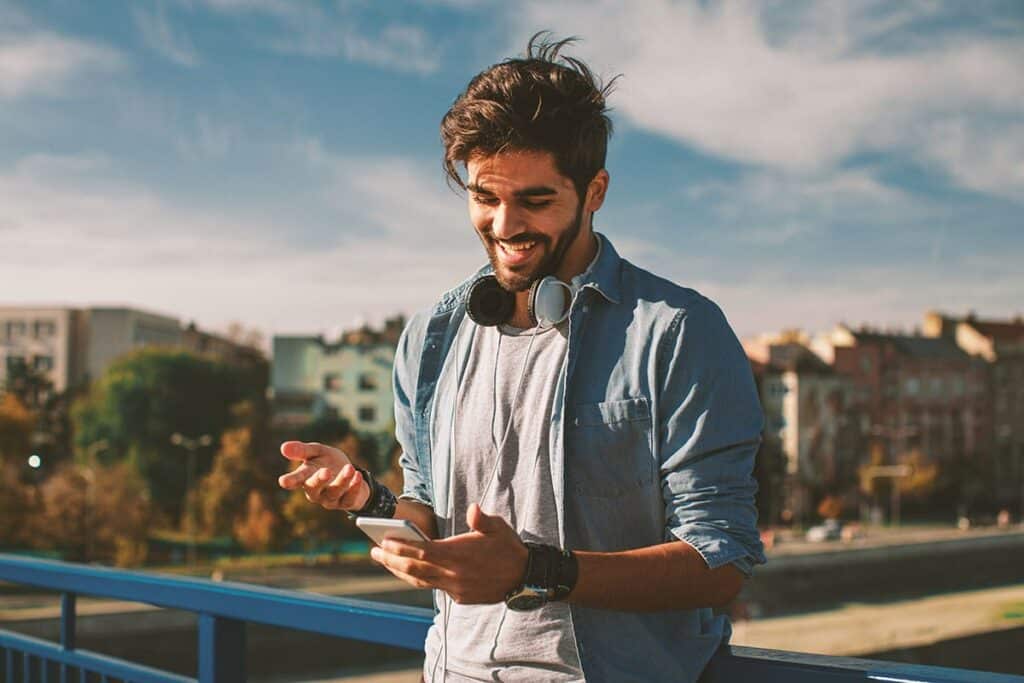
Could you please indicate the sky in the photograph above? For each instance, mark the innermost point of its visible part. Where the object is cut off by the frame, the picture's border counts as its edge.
(278, 163)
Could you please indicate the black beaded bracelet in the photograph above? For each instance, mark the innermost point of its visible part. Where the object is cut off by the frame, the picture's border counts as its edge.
(381, 503)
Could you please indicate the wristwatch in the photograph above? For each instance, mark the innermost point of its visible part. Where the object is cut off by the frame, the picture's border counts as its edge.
(550, 575)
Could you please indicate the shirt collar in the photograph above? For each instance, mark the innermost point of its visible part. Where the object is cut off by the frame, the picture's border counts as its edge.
(605, 273)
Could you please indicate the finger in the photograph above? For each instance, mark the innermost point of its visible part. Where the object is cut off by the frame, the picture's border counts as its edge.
(341, 486)
(418, 569)
(320, 478)
(411, 580)
(294, 479)
(352, 490)
(481, 522)
(299, 450)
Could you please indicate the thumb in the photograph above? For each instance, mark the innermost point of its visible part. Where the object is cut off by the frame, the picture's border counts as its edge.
(480, 522)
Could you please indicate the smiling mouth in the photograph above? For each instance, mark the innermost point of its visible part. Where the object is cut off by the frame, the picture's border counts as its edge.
(515, 253)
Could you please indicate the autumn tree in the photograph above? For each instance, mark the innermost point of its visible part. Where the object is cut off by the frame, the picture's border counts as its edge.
(243, 465)
(16, 425)
(259, 527)
(18, 507)
(96, 513)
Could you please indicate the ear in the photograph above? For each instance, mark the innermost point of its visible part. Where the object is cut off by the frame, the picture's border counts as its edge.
(596, 191)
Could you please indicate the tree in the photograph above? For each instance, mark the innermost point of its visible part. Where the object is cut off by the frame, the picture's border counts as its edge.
(52, 426)
(147, 396)
(258, 529)
(18, 507)
(16, 425)
(96, 513)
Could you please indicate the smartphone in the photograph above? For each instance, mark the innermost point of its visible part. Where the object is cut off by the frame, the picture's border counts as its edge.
(380, 528)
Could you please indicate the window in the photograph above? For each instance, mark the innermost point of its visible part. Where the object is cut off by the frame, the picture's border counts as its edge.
(936, 386)
(15, 329)
(43, 363)
(332, 381)
(367, 413)
(15, 363)
(913, 386)
(44, 329)
(367, 382)
(865, 363)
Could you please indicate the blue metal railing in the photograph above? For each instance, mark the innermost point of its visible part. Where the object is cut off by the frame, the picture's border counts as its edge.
(224, 608)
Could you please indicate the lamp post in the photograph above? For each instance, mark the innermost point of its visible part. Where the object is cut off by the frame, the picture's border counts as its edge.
(892, 472)
(191, 445)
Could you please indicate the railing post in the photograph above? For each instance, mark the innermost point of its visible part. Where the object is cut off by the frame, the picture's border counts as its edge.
(221, 650)
(67, 629)
(67, 621)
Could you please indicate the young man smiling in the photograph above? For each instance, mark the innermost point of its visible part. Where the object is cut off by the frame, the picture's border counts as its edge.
(611, 447)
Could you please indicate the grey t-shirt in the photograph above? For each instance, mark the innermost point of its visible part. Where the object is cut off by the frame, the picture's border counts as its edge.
(513, 480)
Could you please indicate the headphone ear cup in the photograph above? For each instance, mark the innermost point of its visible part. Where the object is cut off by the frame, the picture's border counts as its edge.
(550, 299)
(488, 303)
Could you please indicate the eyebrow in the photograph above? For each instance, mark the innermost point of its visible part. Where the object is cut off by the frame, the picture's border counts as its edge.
(533, 191)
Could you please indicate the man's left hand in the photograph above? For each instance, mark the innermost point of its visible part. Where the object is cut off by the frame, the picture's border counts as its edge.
(478, 567)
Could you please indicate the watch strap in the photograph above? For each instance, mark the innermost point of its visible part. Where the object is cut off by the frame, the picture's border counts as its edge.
(381, 503)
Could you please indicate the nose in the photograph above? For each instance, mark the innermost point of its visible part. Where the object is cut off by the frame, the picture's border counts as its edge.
(506, 222)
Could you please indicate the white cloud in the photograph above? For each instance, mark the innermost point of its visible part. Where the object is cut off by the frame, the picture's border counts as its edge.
(799, 99)
(766, 207)
(987, 158)
(158, 34)
(72, 233)
(45, 63)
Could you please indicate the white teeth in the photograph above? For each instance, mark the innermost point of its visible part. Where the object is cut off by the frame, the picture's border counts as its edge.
(523, 246)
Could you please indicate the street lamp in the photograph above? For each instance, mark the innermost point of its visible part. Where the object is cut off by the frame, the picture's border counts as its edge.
(892, 472)
(191, 445)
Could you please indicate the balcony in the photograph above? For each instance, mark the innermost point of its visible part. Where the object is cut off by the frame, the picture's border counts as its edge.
(223, 609)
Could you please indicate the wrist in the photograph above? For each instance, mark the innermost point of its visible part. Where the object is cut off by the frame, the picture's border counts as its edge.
(380, 502)
(550, 574)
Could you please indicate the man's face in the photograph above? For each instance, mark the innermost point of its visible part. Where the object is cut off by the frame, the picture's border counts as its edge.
(526, 213)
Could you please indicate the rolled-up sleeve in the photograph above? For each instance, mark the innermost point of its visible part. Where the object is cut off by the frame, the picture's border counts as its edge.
(710, 422)
(415, 487)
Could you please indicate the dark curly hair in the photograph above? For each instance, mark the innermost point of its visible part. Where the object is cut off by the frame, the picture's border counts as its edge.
(543, 102)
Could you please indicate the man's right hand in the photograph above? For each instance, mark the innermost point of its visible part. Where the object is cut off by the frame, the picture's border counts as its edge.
(326, 475)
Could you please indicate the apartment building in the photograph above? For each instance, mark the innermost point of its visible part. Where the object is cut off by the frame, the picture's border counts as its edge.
(350, 376)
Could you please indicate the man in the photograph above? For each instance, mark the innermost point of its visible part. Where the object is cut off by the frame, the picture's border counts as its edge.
(586, 481)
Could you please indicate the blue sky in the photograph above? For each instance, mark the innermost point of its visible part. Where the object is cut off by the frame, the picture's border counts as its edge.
(277, 162)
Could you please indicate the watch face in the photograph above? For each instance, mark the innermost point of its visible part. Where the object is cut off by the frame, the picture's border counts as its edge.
(527, 598)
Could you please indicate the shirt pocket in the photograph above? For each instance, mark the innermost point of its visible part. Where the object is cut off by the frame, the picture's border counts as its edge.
(610, 448)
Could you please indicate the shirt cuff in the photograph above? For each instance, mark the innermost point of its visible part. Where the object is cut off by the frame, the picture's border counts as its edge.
(718, 548)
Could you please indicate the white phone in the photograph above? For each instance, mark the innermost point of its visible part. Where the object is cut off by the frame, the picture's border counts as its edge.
(380, 528)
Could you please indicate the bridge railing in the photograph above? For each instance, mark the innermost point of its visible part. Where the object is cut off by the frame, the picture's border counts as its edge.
(224, 608)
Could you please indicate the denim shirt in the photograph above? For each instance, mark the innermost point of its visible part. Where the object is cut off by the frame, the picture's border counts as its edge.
(653, 434)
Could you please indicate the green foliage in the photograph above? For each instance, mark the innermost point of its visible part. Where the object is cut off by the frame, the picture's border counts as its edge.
(147, 396)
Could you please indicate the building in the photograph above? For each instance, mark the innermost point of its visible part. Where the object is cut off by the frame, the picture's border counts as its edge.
(1000, 343)
(807, 412)
(48, 339)
(915, 391)
(350, 377)
(73, 345)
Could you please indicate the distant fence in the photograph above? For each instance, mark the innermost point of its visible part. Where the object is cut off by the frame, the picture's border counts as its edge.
(224, 609)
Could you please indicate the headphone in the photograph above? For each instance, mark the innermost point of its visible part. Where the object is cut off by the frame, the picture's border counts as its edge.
(489, 304)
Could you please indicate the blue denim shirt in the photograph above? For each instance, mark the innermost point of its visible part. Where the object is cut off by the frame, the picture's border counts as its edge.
(653, 434)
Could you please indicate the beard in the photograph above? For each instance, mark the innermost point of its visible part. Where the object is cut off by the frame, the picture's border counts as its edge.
(521, 279)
